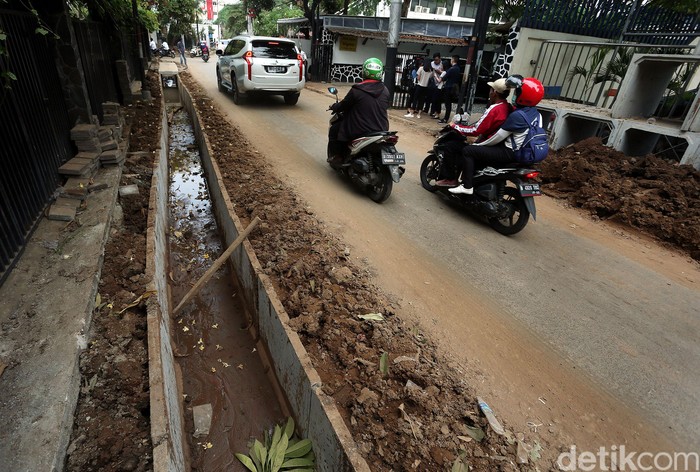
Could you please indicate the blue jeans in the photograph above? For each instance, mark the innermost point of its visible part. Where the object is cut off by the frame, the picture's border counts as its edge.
(183, 59)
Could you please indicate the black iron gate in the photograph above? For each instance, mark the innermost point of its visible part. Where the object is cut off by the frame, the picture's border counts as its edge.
(322, 62)
(403, 82)
(34, 133)
(96, 55)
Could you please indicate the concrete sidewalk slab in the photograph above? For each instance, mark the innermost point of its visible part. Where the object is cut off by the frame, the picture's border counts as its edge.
(45, 312)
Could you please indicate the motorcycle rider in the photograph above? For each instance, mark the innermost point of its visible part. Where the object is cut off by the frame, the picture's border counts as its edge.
(498, 149)
(488, 124)
(364, 111)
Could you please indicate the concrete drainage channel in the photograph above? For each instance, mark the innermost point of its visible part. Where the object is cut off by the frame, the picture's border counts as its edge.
(292, 378)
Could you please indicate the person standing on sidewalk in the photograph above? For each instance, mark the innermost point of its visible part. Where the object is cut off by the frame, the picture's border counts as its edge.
(181, 49)
(419, 98)
(450, 88)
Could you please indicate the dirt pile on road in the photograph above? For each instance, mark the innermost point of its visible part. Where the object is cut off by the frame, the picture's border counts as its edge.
(112, 431)
(419, 412)
(654, 195)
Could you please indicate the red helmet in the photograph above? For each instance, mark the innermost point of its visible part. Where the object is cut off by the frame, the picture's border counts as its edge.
(530, 93)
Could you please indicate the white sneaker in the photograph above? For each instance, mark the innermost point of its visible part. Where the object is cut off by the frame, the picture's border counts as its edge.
(461, 189)
(409, 115)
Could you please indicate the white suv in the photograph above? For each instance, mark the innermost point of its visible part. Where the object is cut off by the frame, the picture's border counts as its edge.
(261, 64)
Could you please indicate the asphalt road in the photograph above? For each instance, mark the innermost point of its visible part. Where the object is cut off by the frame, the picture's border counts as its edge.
(571, 323)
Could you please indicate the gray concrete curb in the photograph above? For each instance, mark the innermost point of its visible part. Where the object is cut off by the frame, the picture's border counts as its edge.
(167, 420)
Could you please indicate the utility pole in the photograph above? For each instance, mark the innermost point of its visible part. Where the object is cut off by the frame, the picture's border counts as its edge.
(476, 49)
(392, 47)
(139, 43)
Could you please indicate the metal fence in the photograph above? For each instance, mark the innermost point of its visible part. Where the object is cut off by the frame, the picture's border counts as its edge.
(612, 20)
(34, 131)
(591, 73)
(322, 63)
(96, 55)
(403, 82)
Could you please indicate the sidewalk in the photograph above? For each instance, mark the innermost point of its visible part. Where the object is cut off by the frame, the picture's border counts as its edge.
(45, 312)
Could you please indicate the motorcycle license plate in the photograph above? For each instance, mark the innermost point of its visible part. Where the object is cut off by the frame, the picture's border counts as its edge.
(530, 190)
(391, 159)
(276, 69)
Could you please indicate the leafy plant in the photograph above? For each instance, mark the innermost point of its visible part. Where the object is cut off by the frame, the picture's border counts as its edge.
(599, 71)
(281, 451)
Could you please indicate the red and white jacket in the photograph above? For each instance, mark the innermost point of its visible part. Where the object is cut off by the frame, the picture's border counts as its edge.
(489, 123)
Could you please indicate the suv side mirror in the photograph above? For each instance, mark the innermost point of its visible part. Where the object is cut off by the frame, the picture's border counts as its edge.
(333, 90)
(219, 52)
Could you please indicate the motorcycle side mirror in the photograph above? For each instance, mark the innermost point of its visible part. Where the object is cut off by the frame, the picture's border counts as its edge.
(333, 90)
(457, 118)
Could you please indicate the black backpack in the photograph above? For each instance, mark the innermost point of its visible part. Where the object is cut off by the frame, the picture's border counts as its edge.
(535, 147)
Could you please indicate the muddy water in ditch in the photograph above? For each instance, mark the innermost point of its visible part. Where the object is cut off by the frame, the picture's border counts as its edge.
(219, 360)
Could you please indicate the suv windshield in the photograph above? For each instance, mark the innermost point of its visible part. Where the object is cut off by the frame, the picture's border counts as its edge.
(274, 49)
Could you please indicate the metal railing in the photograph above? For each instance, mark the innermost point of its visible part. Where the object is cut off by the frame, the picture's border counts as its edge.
(34, 134)
(98, 64)
(591, 72)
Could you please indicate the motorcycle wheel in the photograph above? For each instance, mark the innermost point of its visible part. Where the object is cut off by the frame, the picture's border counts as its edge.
(517, 217)
(429, 172)
(171, 53)
(192, 55)
(206, 58)
(379, 193)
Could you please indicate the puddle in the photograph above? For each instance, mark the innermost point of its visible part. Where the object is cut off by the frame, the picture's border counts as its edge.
(218, 358)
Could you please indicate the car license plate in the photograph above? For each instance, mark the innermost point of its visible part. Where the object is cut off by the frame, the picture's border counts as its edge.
(530, 190)
(393, 158)
(277, 69)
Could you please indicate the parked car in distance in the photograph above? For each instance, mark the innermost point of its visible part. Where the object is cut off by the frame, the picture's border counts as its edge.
(261, 65)
(221, 45)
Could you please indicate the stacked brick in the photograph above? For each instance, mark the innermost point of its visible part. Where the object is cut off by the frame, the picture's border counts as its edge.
(96, 145)
(110, 133)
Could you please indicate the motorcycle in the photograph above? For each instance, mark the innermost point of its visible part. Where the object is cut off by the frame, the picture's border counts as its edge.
(371, 162)
(196, 51)
(160, 52)
(503, 195)
(205, 54)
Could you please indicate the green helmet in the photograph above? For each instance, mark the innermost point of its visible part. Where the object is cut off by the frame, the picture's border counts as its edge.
(372, 69)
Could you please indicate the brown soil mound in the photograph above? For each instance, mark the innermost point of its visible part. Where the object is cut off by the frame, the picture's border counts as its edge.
(414, 417)
(111, 431)
(656, 196)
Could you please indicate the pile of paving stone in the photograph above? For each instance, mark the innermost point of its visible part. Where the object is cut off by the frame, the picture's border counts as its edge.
(97, 145)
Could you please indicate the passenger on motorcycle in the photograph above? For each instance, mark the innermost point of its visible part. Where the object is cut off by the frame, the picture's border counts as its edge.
(488, 124)
(164, 46)
(364, 111)
(203, 47)
(498, 149)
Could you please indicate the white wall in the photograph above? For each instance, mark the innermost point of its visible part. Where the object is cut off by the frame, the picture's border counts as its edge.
(373, 48)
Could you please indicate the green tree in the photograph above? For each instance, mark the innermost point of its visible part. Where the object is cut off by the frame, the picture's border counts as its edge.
(266, 23)
(691, 7)
(507, 10)
(117, 12)
(179, 15)
(232, 19)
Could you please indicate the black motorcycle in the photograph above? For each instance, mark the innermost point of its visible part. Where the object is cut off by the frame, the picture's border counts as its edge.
(503, 195)
(371, 162)
(160, 52)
